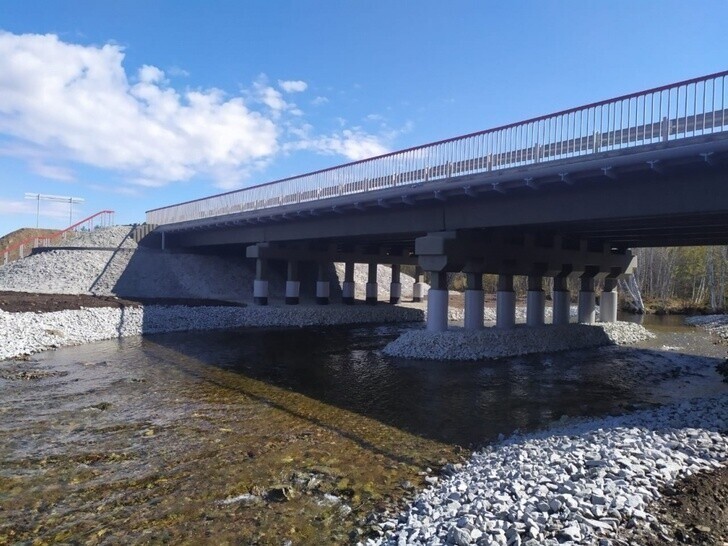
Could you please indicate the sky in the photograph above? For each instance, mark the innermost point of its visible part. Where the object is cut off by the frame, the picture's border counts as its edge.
(140, 104)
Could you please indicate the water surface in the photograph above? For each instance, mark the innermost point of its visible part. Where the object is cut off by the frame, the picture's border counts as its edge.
(158, 439)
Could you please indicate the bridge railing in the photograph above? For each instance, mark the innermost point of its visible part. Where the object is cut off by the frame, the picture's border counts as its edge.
(689, 108)
(104, 218)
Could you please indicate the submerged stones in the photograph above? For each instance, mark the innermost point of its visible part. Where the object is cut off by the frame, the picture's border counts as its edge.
(460, 344)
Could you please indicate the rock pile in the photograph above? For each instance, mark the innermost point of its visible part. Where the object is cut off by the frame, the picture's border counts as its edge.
(576, 484)
(27, 333)
(460, 344)
(716, 324)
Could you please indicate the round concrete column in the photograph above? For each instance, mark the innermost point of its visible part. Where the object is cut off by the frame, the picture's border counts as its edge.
(395, 292)
(322, 292)
(347, 292)
(474, 302)
(293, 286)
(535, 302)
(372, 288)
(437, 310)
(418, 288)
(505, 302)
(322, 285)
(561, 302)
(348, 288)
(437, 302)
(608, 301)
(260, 292)
(395, 288)
(587, 301)
(293, 291)
(418, 291)
(260, 284)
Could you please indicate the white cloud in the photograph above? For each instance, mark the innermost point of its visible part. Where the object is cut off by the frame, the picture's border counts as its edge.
(293, 86)
(64, 104)
(76, 102)
(53, 172)
(353, 144)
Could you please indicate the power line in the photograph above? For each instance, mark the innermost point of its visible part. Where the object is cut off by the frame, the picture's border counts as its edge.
(38, 197)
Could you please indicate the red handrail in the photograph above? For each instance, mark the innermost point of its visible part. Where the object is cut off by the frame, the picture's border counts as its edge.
(56, 235)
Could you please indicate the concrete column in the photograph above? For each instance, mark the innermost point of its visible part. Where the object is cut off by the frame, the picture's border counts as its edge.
(372, 288)
(395, 289)
(348, 289)
(535, 301)
(418, 289)
(608, 301)
(293, 285)
(474, 303)
(505, 301)
(562, 302)
(587, 301)
(322, 284)
(437, 302)
(260, 284)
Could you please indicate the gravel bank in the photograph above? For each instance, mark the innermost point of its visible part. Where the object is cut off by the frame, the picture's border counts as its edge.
(460, 344)
(716, 324)
(580, 483)
(27, 333)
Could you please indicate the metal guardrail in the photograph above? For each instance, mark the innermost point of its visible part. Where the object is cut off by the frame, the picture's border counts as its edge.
(20, 249)
(689, 108)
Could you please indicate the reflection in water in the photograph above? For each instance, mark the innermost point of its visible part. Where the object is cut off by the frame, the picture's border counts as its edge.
(142, 439)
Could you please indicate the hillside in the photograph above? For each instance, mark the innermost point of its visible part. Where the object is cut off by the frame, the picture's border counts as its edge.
(19, 235)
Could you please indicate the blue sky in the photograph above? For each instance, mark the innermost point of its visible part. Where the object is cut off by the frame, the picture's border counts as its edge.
(139, 104)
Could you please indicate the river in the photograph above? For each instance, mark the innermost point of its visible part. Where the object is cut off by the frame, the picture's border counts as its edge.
(277, 436)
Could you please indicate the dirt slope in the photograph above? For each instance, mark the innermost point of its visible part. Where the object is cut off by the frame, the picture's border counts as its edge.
(19, 235)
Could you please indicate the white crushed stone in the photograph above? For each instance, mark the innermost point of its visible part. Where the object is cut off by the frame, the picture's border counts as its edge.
(108, 237)
(715, 324)
(461, 344)
(27, 333)
(489, 313)
(575, 484)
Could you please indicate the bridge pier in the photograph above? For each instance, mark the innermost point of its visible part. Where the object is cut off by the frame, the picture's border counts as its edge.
(437, 302)
(474, 302)
(260, 284)
(505, 312)
(293, 285)
(348, 288)
(535, 301)
(372, 288)
(608, 301)
(561, 301)
(395, 288)
(418, 288)
(322, 284)
(587, 300)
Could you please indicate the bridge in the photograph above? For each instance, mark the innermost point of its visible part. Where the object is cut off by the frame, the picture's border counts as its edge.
(562, 195)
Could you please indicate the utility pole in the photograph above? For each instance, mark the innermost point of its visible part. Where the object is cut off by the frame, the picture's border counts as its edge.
(38, 197)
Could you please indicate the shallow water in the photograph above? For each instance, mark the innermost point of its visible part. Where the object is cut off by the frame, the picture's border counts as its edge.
(155, 439)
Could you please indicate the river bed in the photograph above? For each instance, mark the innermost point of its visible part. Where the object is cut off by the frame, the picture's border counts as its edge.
(274, 435)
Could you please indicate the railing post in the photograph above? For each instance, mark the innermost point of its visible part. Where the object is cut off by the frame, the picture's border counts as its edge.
(664, 129)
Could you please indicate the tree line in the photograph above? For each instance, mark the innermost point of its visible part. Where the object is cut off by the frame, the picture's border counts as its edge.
(694, 276)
